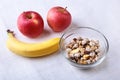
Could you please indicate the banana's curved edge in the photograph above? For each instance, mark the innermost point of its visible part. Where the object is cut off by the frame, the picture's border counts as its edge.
(23, 49)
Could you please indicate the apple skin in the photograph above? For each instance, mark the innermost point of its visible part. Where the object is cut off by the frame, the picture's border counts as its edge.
(58, 18)
(30, 24)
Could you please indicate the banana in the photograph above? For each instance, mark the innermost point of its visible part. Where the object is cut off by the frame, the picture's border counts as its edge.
(31, 49)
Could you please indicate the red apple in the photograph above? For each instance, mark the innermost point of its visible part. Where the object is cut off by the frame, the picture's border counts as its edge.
(30, 24)
(58, 18)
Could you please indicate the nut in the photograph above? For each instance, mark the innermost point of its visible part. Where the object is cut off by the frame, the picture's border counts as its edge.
(77, 55)
(93, 60)
(97, 50)
(88, 48)
(92, 54)
(81, 54)
(83, 42)
(86, 56)
(83, 62)
(92, 43)
(93, 48)
(75, 46)
(88, 61)
(74, 39)
(74, 51)
(83, 50)
(71, 55)
(70, 45)
(96, 58)
(68, 50)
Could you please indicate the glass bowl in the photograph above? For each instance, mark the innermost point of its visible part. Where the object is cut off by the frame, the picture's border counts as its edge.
(85, 32)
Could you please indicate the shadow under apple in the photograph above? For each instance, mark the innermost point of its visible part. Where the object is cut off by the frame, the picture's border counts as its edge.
(46, 33)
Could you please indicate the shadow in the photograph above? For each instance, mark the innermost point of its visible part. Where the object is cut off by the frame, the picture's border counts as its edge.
(74, 24)
(80, 24)
(45, 33)
(55, 54)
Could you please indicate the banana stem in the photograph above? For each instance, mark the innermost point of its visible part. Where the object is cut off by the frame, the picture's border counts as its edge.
(10, 33)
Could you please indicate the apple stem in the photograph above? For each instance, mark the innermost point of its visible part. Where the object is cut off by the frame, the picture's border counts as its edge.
(29, 16)
(65, 8)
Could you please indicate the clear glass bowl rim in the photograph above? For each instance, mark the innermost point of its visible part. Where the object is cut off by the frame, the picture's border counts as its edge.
(74, 28)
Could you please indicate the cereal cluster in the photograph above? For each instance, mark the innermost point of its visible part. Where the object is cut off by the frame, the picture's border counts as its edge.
(83, 50)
